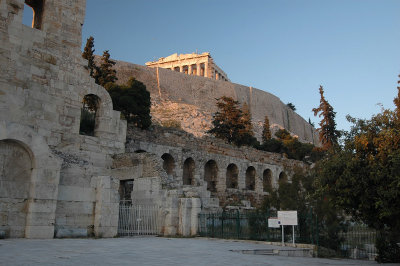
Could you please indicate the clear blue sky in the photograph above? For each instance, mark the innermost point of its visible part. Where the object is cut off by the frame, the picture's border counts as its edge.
(286, 47)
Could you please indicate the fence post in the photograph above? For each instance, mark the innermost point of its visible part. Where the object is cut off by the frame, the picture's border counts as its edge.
(268, 236)
(238, 224)
(222, 224)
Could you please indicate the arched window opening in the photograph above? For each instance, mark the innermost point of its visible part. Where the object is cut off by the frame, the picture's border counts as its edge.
(168, 163)
(33, 11)
(283, 178)
(267, 180)
(188, 171)
(250, 178)
(232, 173)
(16, 163)
(211, 175)
(89, 110)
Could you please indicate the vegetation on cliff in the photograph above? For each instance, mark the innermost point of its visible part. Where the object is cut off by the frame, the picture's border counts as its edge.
(131, 99)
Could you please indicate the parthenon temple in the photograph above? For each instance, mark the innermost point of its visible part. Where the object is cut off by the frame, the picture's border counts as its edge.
(191, 64)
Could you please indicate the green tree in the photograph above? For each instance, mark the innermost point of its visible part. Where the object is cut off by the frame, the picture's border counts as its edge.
(133, 101)
(105, 74)
(266, 133)
(327, 132)
(88, 54)
(229, 123)
(246, 135)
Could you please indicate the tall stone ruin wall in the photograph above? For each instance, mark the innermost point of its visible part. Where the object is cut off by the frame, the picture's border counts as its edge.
(65, 187)
(192, 100)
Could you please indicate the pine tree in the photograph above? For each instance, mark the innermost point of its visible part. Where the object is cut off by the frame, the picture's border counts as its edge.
(226, 120)
(327, 132)
(105, 73)
(88, 54)
(396, 102)
(266, 133)
(231, 124)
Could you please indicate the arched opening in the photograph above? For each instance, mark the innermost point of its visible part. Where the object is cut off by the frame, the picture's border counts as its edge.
(232, 173)
(267, 180)
(211, 175)
(15, 174)
(168, 163)
(89, 110)
(33, 11)
(250, 178)
(188, 171)
(283, 178)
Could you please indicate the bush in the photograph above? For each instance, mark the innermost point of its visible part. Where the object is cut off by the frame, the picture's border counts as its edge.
(171, 123)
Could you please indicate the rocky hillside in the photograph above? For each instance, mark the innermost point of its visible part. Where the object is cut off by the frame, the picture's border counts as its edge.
(189, 101)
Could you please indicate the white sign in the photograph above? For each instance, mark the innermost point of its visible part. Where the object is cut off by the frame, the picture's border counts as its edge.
(274, 222)
(287, 217)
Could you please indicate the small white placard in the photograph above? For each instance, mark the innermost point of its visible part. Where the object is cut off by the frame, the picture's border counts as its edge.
(274, 222)
(288, 217)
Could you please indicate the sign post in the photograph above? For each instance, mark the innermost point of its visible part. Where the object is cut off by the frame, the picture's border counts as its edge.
(287, 218)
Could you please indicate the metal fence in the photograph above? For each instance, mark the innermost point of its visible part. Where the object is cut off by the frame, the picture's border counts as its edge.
(138, 220)
(254, 225)
(358, 242)
(355, 241)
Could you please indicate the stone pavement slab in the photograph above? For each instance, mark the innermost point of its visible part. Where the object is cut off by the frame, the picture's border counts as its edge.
(147, 251)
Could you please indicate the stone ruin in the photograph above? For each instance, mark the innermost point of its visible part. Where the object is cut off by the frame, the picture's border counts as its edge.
(56, 182)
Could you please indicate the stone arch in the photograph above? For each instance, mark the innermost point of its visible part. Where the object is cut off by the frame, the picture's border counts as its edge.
(283, 178)
(211, 175)
(38, 10)
(250, 181)
(188, 171)
(89, 114)
(44, 179)
(168, 163)
(232, 174)
(267, 180)
(16, 166)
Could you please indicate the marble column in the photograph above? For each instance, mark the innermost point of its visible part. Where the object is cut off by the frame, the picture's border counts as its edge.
(198, 69)
(190, 69)
(206, 69)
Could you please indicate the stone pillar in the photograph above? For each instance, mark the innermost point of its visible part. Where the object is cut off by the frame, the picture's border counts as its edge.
(190, 69)
(107, 206)
(198, 69)
(185, 205)
(196, 208)
(206, 69)
(42, 204)
(216, 75)
(181, 69)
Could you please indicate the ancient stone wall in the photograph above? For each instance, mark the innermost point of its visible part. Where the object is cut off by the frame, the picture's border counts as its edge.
(176, 94)
(43, 81)
(213, 163)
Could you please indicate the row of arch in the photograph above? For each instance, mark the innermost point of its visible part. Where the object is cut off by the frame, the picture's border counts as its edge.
(211, 174)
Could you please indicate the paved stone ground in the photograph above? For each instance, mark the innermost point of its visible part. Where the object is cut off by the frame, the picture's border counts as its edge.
(146, 251)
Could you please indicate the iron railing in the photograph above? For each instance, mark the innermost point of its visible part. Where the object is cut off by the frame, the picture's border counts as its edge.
(138, 219)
